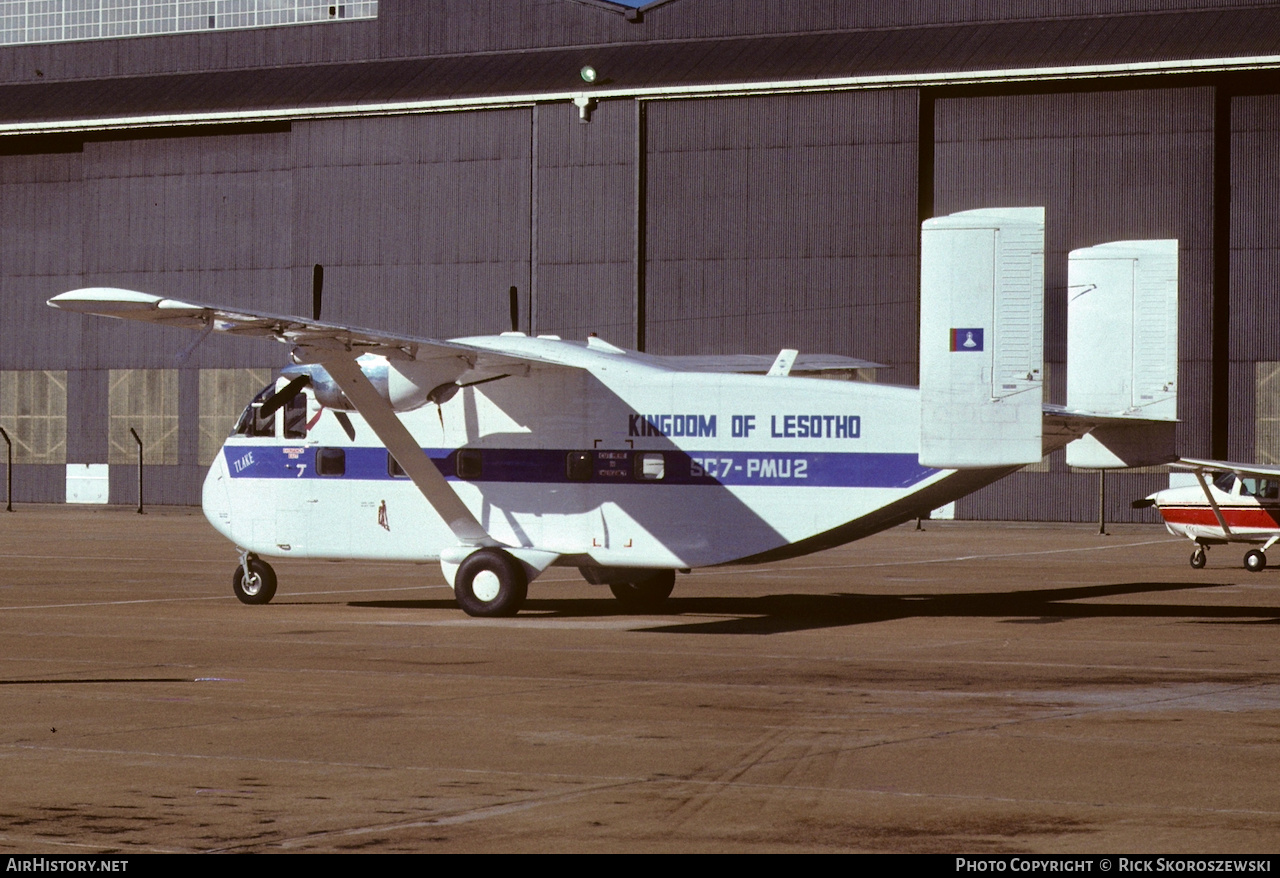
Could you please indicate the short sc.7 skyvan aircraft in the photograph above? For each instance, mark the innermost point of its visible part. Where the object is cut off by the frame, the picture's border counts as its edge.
(502, 456)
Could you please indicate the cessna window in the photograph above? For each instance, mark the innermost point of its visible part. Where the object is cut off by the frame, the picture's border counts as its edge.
(394, 469)
(577, 466)
(468, 463)
(251, 422)
(1225, 482)
(650, 466)
(1263, 489)
(331, 461)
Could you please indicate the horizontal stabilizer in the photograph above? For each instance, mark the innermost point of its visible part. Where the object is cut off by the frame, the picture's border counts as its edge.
(1115, 446)
(1122, 351)
(981, 338)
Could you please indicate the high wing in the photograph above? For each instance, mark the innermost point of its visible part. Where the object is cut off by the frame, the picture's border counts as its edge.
(1240, 469)
(335, 348)
(311, 335)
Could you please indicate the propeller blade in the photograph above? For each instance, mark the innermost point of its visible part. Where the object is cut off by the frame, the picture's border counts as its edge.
(347, 426)
(317, 287)
(1144, 503)
(281, 398)
(515, 310)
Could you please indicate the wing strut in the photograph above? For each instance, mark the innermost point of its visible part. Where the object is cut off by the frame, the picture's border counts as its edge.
(1213, 504)
(405, 449)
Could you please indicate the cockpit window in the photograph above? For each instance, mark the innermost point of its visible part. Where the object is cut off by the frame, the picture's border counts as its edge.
(1225, 482)
(251, 422)
(295, 417)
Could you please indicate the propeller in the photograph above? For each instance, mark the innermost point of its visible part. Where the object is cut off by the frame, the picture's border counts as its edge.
(515, 309)
(347, 426)
(317, 287)
(281, 398)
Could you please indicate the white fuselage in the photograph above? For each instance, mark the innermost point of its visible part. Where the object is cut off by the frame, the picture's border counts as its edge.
(1248, 507)
(617, 465)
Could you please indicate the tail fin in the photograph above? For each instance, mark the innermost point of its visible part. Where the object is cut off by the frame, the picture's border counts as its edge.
(1122, 351)
(981, 338)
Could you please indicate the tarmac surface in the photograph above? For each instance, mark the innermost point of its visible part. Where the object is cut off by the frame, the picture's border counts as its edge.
(970, 688)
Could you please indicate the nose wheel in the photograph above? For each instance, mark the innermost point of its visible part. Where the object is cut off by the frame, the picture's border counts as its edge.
(1198, 558)
(254, 581)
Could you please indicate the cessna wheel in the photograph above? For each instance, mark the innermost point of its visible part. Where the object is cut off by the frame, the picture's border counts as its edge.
(1198, 558)
(259, 587)
(1254, 560)
(490, 582)
(647, 595)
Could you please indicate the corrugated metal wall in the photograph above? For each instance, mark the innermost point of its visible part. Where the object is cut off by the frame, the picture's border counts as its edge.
(1255, 256)
(785, 221)
(422, 223)
(586, 192)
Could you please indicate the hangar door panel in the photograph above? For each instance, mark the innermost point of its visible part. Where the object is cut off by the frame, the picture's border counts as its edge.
(198, 217)
(1255, 279)
(785, 221)
(421, 222)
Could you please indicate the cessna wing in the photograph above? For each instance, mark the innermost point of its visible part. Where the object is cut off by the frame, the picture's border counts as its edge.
(1219, 466)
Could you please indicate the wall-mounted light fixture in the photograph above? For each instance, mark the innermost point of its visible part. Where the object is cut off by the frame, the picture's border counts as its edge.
(588, 74)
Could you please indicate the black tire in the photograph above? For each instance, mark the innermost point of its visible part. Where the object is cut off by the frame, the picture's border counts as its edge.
(490, 582)
(1255, 561)
(647, 595)
(261, 585)
(1198, 559)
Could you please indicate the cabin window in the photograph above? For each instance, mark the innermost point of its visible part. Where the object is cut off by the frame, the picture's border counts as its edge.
(467, 464)
(1263, 489)
(650, 466)
(1225, 482)
(331, 461)
(578, 466)
(394, 469)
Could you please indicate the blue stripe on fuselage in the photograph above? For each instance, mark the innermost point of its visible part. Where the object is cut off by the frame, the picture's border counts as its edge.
(531, 465)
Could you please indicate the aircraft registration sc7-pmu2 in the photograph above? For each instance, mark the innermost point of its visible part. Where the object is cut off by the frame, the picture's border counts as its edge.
(501, 456)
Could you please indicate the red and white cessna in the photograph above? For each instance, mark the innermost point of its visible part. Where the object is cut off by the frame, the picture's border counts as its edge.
(1233, 503)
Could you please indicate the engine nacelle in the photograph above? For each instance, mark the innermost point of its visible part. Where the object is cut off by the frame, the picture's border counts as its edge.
(391, 383)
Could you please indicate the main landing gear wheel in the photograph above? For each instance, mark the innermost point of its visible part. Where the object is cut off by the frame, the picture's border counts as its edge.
(1254, 560)
(1198, 558)
(259, 587)
(647, 595)
(490, 582)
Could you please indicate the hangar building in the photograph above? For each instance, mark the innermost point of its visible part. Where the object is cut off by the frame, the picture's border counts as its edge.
(740, 176)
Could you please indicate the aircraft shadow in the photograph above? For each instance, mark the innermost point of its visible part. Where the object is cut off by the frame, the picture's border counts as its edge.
(777, 614)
